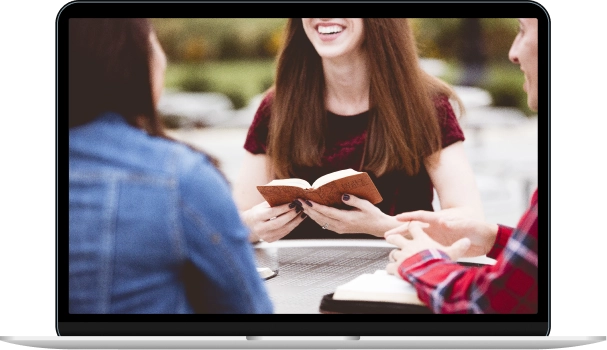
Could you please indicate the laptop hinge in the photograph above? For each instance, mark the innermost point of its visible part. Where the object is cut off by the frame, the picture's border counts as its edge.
(303, 338)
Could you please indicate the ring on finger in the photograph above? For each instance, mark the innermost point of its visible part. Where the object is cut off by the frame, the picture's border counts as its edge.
(324, 227)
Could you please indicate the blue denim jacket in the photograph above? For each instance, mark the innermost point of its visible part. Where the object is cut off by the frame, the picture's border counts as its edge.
(143, 209)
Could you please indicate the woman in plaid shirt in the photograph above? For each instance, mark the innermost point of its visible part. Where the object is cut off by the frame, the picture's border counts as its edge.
(427, 260)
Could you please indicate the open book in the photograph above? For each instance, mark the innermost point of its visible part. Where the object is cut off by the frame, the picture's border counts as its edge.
(326, 190)
(379, 286)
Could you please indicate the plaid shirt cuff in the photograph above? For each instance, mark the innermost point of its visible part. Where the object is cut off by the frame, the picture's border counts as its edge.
(503, 234)
(415, 261)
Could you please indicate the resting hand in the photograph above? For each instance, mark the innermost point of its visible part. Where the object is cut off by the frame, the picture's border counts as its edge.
(447, 226)
(272, 224)
(364, 217)
(420, 241)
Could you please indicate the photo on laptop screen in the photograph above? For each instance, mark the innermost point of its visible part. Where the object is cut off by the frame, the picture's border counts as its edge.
(303, 176)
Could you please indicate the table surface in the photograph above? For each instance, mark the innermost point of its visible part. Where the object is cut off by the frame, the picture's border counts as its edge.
(309, 269)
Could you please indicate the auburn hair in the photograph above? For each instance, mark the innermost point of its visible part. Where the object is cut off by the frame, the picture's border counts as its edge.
(403, 126)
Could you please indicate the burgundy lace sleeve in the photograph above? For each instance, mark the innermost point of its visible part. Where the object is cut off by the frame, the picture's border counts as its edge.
(257, 137)
(450, 128)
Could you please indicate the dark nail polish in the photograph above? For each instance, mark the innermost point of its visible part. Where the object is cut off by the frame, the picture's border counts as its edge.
(298, 209)
(308, 202)
(297, 203)
(346, 197)
(292, 205)
(303, 215)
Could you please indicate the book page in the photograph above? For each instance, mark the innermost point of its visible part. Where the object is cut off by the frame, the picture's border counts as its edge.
(378, 287)
(290, 182)
(325, 179)
(265, 272)
(483, 259)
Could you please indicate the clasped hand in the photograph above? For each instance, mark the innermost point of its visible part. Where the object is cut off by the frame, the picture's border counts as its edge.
(418, 242)
(364, 217)
(272, 224)
(448, 226)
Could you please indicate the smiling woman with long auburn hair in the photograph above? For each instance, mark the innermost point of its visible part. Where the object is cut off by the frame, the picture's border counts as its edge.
(350, 93)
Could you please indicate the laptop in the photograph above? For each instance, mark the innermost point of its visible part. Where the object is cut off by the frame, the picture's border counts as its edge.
(296, 330)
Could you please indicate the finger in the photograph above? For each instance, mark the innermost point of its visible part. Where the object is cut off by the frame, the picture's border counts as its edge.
(391, 257)
(397, 240)
(282, 231)
(458, 249)
(259, 212)
(291, 210)
(307, 202)
(281, 220)
(391, 268)
(319, 217)
(400, 230)
(403, 229)
(396, 255)
(291, 225)
(265, 212)
(419, 215)
(422, 224)
(264, 204)
(276, 233)
(324, 210)
(281, 209)
(416, 230)
(399, 255)
(356, 202)
(418, 224)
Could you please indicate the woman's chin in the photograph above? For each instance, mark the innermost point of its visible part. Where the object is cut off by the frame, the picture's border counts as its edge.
(330, 53)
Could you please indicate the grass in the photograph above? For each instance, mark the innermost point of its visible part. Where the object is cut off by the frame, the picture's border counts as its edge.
(239, 79)
(242, 80)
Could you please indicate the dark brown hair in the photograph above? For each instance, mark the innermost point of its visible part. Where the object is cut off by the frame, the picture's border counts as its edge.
(109, 71)
(403, 126)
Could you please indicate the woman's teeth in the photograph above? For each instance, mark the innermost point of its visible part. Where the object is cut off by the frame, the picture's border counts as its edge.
(329, 29)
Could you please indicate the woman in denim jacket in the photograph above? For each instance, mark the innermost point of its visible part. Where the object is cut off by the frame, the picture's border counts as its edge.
(153, 227)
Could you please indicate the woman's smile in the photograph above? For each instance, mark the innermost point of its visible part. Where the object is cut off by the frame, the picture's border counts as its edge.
(329, 31)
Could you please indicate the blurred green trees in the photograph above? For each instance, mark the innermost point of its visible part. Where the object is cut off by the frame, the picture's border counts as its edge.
(236, 56)
(440, 37)
(196, 39)
(199, 39)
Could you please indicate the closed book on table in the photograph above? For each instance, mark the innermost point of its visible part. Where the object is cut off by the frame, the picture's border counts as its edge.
(377, 293)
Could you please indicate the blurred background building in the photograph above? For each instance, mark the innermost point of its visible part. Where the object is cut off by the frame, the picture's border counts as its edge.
(219, 68)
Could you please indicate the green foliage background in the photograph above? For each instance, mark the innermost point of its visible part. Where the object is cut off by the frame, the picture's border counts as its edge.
(235, 56)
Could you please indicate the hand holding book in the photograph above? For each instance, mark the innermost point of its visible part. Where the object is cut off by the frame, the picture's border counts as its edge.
(272, 223)
(326, 198)
(360, 217)
(326, 190)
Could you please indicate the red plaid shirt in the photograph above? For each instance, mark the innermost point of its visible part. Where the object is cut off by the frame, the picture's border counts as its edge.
(509, 286)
